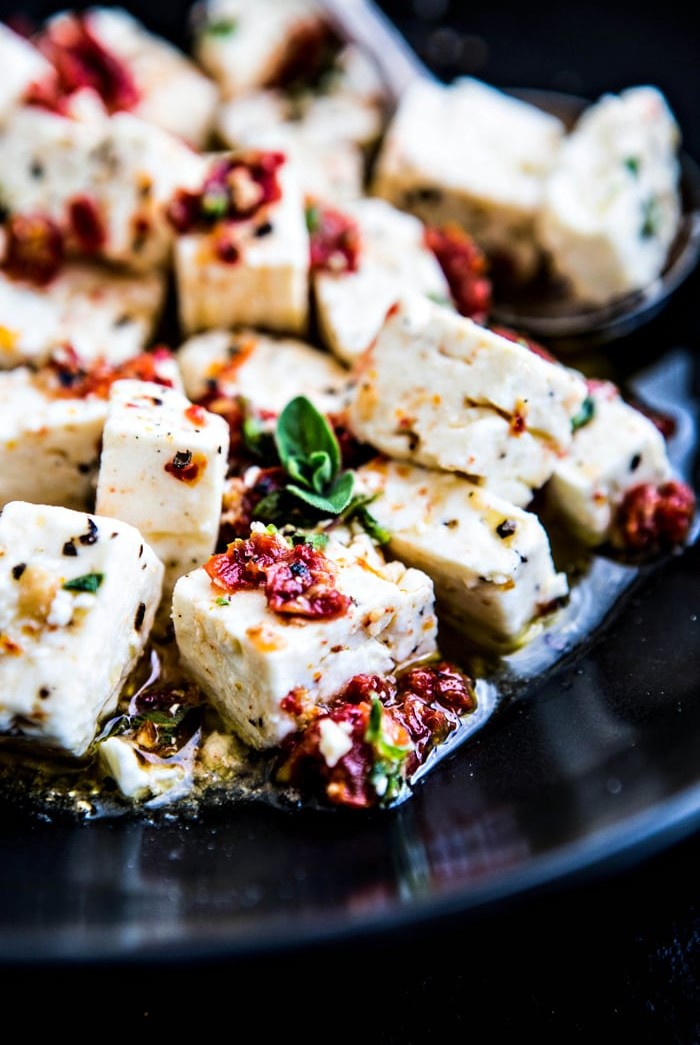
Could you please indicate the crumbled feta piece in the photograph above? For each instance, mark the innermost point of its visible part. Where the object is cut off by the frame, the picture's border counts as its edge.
(490, 561)
(617, 449)
(248, 659)
(250, 272)
(153, 780)
(351, 306)
(440, 390)
(335, 740)
(61, 675)
(266, 371)
(101, 313)
(162, 469)
(611, 206)
(469, 153)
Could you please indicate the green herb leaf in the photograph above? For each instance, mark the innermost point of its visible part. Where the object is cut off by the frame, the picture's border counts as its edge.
(357, 509)
(334, 501)
(221, 27)
(385, 749)
(223, 600)
(651, 217)
(632, 164)
(214, 204)
(87, 582)
(313, 218)
(316, 540)
(439, 299)
(302, 432)
(585, 414)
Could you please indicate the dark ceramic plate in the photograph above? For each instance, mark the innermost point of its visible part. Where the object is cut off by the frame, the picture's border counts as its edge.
(588, 765)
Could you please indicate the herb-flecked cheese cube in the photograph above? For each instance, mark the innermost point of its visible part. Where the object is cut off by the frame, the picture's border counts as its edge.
(251, 272)
(440, 390)
(266, 371)
(78, 595)
(22, 65)
(393, 260)
(248, 659)
(470, 153)
(490, 561)
(611, 206)
(243, 45)
(162, 469)
(616, 450)
(101, 313)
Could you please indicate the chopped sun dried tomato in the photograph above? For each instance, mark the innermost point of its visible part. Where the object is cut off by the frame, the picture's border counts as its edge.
(465, 267)
(80, 61)
(652, 519)
(235, 189)
(334, 238)
(35, 248)
(86, 224)
(68, 376)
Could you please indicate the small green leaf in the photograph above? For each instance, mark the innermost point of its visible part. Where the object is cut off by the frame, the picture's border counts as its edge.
(214, 204)
(632, 164)
(302, 431)
(335, 500)
(385, 749)
(439, 299)
(87, 582)
(585, 414)
(317, 541)
(313, 217)
(221, 27)
(321, 470)
(357, 509)
(223, 600)
(651, 218)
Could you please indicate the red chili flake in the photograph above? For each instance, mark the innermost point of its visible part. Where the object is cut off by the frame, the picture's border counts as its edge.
(196, 414)
(235, 189)
(68, 376)
(298, 580)
(35, 249)
(80, 61)
(654, 518)
(465, 268)
(518, 422)
(527, 342)
(186, 467)
(334, 239)
(86, 224)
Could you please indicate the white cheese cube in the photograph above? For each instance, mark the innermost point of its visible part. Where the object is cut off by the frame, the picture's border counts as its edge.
(154, 781)
(106, 183)
(490, 561)
(51, 431)
(101, 313)
(351, 306)
(469, 153)
(22, 65)
(611, 206)
(440, 390)
(260, 279)
(266, 371)
(172, 91)
(162, 469)
(243, 45)
(78, 595)
(248, 658)
(617, 449)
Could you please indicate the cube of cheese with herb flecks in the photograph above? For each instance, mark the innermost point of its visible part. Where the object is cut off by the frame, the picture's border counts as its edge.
(102, 186)
(162, 469)
(266, 371)
(438, 389)
(244, 45)
(616, 450)
(271, 629)
(78, 596)
(392, 259)
(22, 65)
(51, 425)
(141, 72)
(490, 561)
(242, 256)
(102, 313)
(469, 153)
(612, 203)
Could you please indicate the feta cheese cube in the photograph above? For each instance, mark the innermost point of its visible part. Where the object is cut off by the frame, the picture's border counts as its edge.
(437, 389)
(171, 91)
(611, 206)
(248, 659)
(490, 561)
(162, 469)
(78, 595)
(351, 306)
(243, 45)
(266, 371)
(469, 153)
(156, 781)
(106, 182)
(249, 272)
(22, 65)
(101, 313)
(616, 450)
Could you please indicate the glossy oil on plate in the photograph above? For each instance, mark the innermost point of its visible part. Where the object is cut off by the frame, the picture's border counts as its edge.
(590, 761)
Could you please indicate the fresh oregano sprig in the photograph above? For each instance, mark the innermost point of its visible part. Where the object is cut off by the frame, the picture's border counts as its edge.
(310, 455)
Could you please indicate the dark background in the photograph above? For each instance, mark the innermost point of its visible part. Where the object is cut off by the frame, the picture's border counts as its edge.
(615, 956)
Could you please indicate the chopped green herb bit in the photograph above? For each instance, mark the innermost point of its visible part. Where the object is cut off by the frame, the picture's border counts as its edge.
(313, 218)
(632, 164)
(651, 218)
(222, 27)
(585, 414)
(87, 582)
(317, 541)
(357, 509)
(223, 600)
(439, 299)
(214, 204)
